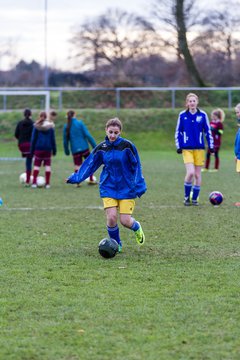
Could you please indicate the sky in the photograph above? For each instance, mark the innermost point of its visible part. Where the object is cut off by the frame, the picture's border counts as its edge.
(22, 27)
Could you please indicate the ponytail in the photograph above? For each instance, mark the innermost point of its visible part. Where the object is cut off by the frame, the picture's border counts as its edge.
(70, 115)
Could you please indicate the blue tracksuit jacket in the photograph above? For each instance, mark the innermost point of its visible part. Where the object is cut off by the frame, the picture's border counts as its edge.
(190, 129)
(79, 137)
(43, 140)
(121, 177)
(237, 145)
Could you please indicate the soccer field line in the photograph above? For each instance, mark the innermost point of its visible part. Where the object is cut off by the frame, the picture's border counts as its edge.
(91, 207)
(51, 208)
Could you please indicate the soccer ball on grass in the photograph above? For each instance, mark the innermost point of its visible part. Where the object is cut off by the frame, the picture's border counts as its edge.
(216, 198)
(108, 248)
(41, 181)
(23, 178)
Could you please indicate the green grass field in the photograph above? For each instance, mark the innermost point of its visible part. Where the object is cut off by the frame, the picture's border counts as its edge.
(177, 297)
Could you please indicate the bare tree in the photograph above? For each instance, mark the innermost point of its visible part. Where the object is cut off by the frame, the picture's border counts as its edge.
(8, 51)
(221, 28)
(179, 16)
(115, 38)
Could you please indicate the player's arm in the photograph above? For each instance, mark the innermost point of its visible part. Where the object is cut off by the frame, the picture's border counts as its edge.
(89, 136)
(89, 166)
(178, 135)
(208, 133)
(140, 184)
(65, 141)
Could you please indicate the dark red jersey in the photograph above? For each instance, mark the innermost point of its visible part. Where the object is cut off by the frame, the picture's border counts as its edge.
(217, 131)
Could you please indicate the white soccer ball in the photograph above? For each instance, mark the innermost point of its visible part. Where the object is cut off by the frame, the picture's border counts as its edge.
(41, 181)
(22, 178)
(88, 179)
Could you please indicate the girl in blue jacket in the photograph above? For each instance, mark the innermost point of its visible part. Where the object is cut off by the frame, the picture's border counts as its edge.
(191, 126)
(76, 134)
(237, 139)
(121, 180)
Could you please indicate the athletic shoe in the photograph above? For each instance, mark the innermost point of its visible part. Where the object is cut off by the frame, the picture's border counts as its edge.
(204, 170)
(120, 247)
(195, 203)
(139, 236)
(187, 202)
(78, 185)
(213, 170)
(47, 186)
(34, 186)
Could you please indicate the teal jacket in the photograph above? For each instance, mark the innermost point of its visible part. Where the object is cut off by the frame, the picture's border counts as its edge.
(79, 138)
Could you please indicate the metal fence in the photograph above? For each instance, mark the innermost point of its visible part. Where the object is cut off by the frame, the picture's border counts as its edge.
(171, 97)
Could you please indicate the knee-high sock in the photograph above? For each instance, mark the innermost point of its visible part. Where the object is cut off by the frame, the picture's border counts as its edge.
(196, 191)
(135, 225)
(47, 177)
(187, 189)
(28, 169)
(35, 175)
(113, 233)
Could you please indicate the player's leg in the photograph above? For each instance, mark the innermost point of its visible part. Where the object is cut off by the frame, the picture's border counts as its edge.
(217, 160)
(77, 161)
(48, 169)
(190, 170)
(126, 208)
(111, 211)
(36, 167)
(188, 160)
(198, 164)
(197, 185)
(28, 169)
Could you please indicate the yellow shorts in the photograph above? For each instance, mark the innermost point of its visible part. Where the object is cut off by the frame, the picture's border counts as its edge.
(238, 166)
(125, 206)
(195, 157)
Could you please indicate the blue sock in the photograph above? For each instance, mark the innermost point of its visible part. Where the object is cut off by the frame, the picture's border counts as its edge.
(196, 191)
(28, 164)
(187, 189)
(113, 233)
(135, 225)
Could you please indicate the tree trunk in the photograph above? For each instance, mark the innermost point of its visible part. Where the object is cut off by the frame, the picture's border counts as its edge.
(183, 45)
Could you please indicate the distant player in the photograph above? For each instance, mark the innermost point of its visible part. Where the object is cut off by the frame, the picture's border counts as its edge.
(23, 134)
(237, 144)
(76, 134)
(121, 180)
(191, 126)
(43, 146)
(216, 123)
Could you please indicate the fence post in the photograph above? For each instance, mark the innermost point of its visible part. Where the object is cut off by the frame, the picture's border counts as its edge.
(173, 99)
(60, 100)
(229, 99)
(117, 99)
(4, 102)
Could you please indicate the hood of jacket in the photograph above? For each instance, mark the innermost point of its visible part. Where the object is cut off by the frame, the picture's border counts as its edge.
(46, 125)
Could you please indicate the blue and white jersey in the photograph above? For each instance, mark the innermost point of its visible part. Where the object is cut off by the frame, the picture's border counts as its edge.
(237, 145)
(190, 131)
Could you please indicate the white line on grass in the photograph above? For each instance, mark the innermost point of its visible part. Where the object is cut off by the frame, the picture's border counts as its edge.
(60, 208)
(52, 208)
